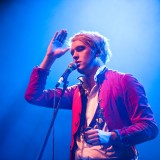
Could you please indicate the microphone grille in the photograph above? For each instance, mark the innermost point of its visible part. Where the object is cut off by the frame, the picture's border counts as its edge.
(72, 66)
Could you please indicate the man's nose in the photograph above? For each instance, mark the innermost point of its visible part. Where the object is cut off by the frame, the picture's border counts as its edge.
(75, 55)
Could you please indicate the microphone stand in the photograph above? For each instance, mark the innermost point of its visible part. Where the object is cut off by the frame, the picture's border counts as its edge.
(65, 85)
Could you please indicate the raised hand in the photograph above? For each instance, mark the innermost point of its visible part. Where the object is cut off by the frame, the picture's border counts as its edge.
(55, 49)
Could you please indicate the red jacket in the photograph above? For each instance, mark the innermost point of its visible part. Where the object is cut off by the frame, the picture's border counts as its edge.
(126, 108)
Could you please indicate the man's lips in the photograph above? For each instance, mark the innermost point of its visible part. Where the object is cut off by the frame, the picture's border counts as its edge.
(78, 63)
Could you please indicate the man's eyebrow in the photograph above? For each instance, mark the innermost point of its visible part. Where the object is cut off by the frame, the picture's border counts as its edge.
(80, 46)
(77, 47)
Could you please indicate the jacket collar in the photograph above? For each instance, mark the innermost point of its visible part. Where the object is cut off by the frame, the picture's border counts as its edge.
(98, 77)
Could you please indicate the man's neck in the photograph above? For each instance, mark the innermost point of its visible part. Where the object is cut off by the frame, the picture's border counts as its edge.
(90, 81)
(90, 78)
(90, 75)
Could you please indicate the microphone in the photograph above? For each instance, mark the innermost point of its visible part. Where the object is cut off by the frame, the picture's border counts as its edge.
(71, 67)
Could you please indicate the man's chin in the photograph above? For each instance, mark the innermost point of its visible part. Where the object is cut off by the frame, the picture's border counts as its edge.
(81, 71)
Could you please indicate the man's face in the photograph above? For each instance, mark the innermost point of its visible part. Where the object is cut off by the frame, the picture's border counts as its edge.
(83, 56)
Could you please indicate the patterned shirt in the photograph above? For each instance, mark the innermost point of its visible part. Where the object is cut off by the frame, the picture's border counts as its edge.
(94, 119)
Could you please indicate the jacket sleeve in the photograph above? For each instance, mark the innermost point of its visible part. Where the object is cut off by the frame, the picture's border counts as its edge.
(143, 126)
(37, 95)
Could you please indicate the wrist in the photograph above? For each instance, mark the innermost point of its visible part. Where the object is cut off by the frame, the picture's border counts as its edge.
(114, 138)
(47, 62)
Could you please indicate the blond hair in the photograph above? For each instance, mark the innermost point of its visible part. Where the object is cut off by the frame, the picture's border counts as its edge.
(97, 42)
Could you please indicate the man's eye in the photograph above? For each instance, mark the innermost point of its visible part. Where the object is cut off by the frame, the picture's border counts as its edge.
(80, 48)
(72, 52)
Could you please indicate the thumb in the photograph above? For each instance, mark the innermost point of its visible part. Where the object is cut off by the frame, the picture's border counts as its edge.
(65, 50)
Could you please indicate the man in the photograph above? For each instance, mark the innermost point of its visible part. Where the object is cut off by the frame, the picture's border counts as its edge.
(110, 111)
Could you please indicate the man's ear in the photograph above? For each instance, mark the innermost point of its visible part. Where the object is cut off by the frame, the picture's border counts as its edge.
(98, 53)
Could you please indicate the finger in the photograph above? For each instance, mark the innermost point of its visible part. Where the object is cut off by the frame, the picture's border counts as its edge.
(91, 131)
(55, 36)
(62, 36)
(110, 149)
(93, 141)
(90, 141)
(65, 50)
(92, 136)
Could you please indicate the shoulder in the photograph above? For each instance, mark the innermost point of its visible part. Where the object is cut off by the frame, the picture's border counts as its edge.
(73, 88)
(116, 74)
(125, 79)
